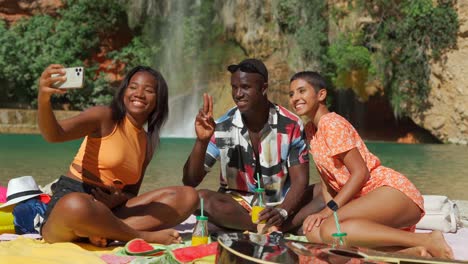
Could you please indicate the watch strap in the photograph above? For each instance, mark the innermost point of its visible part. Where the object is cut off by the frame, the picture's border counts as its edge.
(332, 205)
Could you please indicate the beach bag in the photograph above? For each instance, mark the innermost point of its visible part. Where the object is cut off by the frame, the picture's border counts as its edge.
(7, 220)
(441, 214)
(28, 216)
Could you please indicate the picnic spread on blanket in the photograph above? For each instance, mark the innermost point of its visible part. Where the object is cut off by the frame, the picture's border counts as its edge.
(24, 205)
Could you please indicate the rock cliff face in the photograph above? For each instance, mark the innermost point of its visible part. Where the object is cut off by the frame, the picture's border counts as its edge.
(447, 118)
(11, 11)
(254, 27)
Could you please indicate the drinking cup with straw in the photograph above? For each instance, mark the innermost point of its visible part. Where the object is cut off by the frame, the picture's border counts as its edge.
(258, 203)
(339, 238)
(200, 232)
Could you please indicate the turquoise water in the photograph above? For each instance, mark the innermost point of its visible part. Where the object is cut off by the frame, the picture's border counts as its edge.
(434, 169)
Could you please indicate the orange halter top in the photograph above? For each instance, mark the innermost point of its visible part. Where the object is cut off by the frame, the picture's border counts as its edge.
(114, 160)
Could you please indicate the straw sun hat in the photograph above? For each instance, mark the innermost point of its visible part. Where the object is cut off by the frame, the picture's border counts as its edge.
(20, 189)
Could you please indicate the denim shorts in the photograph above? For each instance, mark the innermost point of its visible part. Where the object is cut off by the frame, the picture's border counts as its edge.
(64, 186)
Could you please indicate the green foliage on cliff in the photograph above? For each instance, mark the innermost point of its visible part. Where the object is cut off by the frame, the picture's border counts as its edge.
(304, 20)
(348, 56)
(417, 32)
(70, 38)
(395, 45)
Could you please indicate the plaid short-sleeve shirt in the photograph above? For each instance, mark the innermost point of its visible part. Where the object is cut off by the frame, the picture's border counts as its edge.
(282, 145)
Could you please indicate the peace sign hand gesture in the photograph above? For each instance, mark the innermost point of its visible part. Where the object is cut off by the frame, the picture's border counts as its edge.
(204, 123)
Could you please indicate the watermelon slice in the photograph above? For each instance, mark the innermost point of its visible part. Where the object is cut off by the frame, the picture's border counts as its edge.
(139, 247)
(188, 254)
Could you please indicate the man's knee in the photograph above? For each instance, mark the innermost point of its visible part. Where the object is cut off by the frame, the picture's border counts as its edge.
(209, 200)
(204, 193)
(317, 191)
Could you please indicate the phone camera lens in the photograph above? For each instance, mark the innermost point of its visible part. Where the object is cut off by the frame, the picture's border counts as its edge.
(76, 70)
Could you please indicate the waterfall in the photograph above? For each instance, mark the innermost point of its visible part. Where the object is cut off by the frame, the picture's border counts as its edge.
(179, 64)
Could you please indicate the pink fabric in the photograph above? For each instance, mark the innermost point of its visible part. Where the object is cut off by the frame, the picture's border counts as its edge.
(3, 192)
(457, 242)
(113, 259)
(9, 237)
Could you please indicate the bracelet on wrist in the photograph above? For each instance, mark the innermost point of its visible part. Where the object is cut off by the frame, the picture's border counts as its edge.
(282, 212)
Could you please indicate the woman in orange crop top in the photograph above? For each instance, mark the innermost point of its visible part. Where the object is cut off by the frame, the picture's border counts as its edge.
(98, 198)
(373, 203)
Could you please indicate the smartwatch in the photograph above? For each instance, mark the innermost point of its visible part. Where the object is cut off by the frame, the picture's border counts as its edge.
(282, 212)
(332, 205)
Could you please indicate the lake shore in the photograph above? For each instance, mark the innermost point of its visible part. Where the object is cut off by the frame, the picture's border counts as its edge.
(24, 121)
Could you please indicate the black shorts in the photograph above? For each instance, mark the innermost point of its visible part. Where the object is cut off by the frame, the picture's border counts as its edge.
(64, 186)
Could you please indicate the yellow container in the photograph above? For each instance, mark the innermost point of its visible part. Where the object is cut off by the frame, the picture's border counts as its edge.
(199, 240)
(256, 213)
(6, 220)
(200, 232)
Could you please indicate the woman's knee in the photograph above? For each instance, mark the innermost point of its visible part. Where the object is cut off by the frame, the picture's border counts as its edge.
(189, 192)
(327, 228)
(75, 205)
(190, 195)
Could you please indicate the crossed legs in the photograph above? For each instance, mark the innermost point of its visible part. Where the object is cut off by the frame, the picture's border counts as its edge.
(224, 211)
(146, 216)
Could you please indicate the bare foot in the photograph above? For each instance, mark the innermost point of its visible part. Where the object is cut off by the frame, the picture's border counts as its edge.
(273, 229)
(263, 228)
(419, 251)
(438, 247)
(165, 237)
(98, 241)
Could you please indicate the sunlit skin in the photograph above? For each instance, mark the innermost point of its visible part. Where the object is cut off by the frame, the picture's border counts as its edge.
(365, 226)
(117, 213)
(305, 101)
(140, 97)
(249, 93)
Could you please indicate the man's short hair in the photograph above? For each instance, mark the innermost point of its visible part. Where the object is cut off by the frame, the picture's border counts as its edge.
(312, 78)
(250, 66)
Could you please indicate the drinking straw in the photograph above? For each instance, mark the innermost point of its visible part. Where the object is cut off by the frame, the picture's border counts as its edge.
(201, 206)
(201, 209)
(336, 222)
(338, 226)
(260, 195)
(258, 180)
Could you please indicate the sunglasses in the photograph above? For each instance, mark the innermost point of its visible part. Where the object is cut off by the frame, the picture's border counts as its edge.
(245, 67)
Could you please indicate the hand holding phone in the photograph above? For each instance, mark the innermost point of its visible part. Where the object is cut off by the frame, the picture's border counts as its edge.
(75, 78)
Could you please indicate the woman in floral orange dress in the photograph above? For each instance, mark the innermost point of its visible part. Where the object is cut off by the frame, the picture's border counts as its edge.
(377, 206)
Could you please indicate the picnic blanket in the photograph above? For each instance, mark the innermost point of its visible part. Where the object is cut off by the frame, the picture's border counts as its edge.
(24, 249)
(27, 250)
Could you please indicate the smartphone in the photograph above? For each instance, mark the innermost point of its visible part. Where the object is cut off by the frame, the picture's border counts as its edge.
(75, 78)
